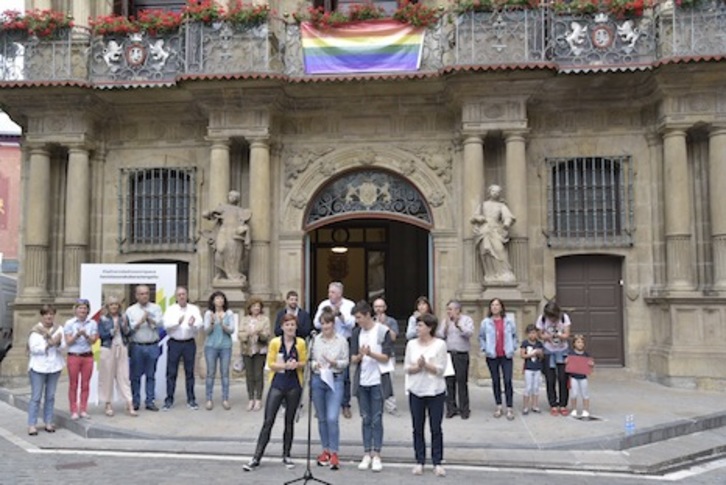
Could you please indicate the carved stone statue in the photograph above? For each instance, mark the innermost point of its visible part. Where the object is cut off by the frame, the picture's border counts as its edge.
(230, 239)
(491, 228)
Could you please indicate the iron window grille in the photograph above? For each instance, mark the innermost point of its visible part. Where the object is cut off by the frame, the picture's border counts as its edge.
(157, 210)
(590, 202)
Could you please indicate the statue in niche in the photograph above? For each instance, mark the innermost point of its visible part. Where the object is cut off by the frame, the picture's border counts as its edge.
(491, 228)
(230, 239)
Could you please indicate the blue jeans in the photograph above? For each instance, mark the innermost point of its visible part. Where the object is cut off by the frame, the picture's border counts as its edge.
(435, 406)
(370, 402)
(143, 362)
(38, 381)
(212, 355)
(327, 406)
(505, 366)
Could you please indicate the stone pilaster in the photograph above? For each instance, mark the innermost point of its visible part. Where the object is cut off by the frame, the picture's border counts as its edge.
(655, 148)
(81, 12)
(218, 173)
(37, 228)
(679, 253)
(515, 194)
(717, 201)
(78, 200)
(261, 206)
(473, 185)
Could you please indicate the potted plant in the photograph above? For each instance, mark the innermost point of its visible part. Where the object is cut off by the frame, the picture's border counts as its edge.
(246, 15)
(43, 24)
(417, 14)
(205, 11)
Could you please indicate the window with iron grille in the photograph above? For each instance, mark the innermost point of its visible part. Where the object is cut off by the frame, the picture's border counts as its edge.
(590, 201)
(157, 209)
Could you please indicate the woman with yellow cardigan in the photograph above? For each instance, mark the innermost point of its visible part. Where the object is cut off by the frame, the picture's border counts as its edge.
(286, 358)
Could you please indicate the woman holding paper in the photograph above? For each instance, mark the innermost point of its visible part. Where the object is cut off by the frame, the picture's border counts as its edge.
(330, 353)
(425, 363)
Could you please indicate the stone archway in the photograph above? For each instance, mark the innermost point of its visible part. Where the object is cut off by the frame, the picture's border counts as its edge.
(369, 193)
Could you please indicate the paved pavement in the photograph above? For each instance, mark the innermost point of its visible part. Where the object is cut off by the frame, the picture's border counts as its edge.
(673, 426)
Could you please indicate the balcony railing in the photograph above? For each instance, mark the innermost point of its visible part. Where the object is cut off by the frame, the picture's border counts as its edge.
(508, 38)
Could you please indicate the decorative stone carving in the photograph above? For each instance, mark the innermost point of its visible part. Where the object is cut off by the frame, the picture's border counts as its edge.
(369, 191)
(439, 160)
(230, 240)
(491, 229)
(629, 35)
(576, 37)
(297, 162)
(436, 199)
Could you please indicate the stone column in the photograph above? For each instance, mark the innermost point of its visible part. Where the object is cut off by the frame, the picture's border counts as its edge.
(78, 198)
(717, 201)
(37, 224)
(261, 206)
(473, 186)
(218, 173)
(515, 194)
(679, 252)
(81, 12)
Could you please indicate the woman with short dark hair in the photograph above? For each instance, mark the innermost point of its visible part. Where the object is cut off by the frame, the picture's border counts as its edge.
(44, 368)
(425, 363)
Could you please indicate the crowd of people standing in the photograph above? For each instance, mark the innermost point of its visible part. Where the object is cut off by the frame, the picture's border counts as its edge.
(350, 348)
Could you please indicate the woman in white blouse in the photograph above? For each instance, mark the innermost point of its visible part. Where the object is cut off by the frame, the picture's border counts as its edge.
(44, 368)
(425, 363)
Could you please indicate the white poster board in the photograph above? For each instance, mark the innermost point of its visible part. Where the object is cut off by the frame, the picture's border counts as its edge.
(162, 276)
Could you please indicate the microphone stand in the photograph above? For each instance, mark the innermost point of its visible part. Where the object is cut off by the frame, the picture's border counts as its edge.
(308, 474)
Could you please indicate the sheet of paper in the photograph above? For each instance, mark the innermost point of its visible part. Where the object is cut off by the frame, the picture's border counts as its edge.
(326, 374)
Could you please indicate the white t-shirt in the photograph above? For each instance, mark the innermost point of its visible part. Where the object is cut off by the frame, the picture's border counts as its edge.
(370, 373)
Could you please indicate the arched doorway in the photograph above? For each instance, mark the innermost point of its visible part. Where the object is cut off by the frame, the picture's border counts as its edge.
(370, 229)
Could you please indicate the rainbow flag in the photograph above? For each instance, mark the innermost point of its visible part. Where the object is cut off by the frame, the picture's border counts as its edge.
(370, 46)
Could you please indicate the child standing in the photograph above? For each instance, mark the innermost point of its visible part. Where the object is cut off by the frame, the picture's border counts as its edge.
(578, 382)
(532, 352)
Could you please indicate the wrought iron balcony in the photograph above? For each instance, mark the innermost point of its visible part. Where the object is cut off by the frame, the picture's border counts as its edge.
(508, 38)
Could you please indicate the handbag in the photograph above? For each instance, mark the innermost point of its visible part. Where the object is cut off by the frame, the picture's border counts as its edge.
(449, 369)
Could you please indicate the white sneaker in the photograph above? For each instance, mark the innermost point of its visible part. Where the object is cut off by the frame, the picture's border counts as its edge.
(417, 469)
(365, 463)
(377, 464)
(439, 471)
(585, 414)
(574, 413)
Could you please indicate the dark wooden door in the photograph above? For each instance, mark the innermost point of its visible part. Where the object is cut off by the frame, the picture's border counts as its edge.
(589, 289)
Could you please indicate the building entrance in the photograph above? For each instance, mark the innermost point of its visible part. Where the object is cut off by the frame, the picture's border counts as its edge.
(372, 258)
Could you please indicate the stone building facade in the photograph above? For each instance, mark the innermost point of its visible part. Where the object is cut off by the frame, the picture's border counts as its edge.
(613, 173)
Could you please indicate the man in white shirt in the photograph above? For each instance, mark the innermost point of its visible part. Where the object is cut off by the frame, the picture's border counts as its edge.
(181, 321)
(371, 349)
(344, 323)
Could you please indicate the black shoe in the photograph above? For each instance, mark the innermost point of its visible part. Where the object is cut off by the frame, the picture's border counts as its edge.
(465, 414)
(451, 414)
(253, 463)
(136, 407)
(152, 407)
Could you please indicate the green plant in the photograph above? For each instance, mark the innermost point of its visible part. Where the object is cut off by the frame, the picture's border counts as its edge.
(464, 6)
(41, 23)
(206, 11)
(244, 14)
(575, 6)
(417, 14)
(157, 21)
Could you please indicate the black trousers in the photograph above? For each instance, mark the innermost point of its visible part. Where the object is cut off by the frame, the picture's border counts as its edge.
(185, 350)
(458, 384)
(557, 377)
(275, 397)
